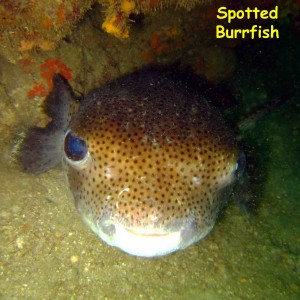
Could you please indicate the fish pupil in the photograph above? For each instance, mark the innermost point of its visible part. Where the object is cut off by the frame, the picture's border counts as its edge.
(75, 148)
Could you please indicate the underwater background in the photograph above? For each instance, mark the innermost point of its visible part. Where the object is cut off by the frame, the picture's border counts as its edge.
(254, 250)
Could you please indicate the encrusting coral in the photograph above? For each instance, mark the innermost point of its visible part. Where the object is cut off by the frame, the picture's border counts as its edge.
(26, 24)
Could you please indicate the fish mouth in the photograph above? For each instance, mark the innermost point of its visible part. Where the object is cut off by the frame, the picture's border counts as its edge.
(139, 242)
(138, 232)
(149, 242)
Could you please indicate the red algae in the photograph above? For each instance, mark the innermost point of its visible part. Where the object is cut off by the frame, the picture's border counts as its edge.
(39, 89)
(48, 69)
(52, 66)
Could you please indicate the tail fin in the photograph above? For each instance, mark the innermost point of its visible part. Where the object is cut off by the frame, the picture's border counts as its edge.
(42, 147)
(41, 150)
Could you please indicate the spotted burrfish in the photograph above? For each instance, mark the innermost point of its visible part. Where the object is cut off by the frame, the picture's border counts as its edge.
(149, 160)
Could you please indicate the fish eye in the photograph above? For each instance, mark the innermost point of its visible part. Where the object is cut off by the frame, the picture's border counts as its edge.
(240, 165)
(75, 148)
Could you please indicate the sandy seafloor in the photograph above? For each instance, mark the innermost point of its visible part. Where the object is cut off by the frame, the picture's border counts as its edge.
(48, 253)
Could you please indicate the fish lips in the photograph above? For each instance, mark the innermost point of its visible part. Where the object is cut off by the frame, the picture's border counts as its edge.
(150, 242)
